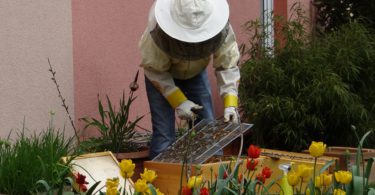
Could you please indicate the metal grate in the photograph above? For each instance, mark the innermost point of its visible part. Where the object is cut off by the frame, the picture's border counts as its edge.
(210, 137)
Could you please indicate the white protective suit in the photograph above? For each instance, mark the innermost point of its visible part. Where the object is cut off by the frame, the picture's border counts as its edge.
(161, 68)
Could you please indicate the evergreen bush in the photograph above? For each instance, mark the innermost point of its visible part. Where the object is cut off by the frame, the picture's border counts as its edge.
(310, 88)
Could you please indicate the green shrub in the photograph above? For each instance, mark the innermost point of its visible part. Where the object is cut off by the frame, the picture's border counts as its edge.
(311, 88)
(32, 158)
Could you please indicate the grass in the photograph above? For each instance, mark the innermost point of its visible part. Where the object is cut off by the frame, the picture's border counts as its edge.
(32, 158)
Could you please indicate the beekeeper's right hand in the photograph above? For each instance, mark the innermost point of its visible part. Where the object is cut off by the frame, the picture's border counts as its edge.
(184, 110)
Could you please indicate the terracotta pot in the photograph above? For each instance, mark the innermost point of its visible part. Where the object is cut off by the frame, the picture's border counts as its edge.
(132, 155)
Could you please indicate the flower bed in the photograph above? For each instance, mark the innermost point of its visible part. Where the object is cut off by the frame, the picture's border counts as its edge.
(169, 174)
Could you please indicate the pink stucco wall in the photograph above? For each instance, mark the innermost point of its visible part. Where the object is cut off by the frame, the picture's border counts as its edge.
(102, 58)
(106, 56)
(30, 32)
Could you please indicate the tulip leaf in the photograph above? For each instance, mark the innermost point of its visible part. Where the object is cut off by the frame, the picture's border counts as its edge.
(311, 187)
(273, 181)
(221, 171)
(46, 186)
(152, 189)
(355, 170)
(367, 173)
(92, 188)
(235, 171)
(251, 187)
(364, 137)
(68, 193)
(220, 184)
(358, 185)
(229, 190)
(359, 154)
(326, 166)
(371, 191)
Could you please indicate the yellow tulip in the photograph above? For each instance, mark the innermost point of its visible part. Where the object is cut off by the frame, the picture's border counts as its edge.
(339, 192)
(141, 186)
(304, 170)
(112, 183)
(343, 177)
(327, 179)
(194, 181)
(317, 149)
(323, 179)
(158, 192)
(127, 168)
(148, 175)
(293, 178)
(318, 181)
(111, 191)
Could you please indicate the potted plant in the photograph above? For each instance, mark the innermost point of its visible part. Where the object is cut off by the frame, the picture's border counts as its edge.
(116, 129)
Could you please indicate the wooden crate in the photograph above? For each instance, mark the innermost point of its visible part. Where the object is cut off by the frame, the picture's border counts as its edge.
(169, 174)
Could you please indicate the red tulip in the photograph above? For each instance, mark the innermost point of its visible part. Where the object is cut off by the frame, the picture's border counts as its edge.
(240, 177)
(80, 179)
(186, 190)
(225, 175)
(83, 187)
(253, 151)
(260, 177)
(251, 164)
(266, 172)
(204, 191)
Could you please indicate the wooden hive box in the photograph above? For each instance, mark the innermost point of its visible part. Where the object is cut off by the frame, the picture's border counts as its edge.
(99, 166)
(169, 174)
(347, 157)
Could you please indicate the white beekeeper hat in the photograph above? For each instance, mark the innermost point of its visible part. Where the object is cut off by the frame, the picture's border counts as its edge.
(192, 20)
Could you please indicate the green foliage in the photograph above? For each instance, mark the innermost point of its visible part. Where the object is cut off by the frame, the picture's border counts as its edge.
(115, 127)
(33, 158)
(311, 88)
(332, 14)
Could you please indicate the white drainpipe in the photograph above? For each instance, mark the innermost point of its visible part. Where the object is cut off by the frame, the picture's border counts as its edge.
(266, 18)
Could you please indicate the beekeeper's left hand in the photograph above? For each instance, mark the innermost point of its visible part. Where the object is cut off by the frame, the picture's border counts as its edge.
(230, 115)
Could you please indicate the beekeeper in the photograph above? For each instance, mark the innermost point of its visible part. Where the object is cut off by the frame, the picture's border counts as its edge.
(181, 38)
